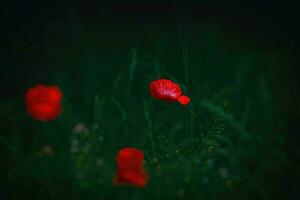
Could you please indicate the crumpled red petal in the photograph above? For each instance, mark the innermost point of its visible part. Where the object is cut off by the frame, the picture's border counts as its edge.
(130, 168)
(167, 90)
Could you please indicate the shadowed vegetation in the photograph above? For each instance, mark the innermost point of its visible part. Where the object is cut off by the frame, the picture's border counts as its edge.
(226, 144)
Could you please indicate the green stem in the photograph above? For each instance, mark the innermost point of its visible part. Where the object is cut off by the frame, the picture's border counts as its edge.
(150, 127)
(132, 66)
(184, 47)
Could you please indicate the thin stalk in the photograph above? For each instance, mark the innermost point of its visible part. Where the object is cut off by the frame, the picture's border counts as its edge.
(116, 84)
(150, 126)
(185, 57)
(132, 66)
(98, 107)
(157, 67)
(123, 113)
(184, 47)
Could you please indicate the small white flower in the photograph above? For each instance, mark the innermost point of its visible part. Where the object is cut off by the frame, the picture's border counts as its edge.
(99, 162)
(205, 180)
(80, 128)
(74, 149)
(223, 172)
(100, 138)
(95, 126)
(180, 193)
(209, 162)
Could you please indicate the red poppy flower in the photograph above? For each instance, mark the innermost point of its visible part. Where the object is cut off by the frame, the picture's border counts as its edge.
(44, 103)
(130, 168)
(167, 90)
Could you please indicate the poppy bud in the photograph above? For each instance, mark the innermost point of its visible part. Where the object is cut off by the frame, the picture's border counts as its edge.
(43, 103)
(167, 90)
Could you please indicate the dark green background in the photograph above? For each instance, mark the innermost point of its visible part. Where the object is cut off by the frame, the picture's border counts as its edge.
(239, 63)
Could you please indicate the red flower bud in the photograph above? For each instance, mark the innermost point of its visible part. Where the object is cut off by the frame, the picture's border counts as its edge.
(44, 103)
(130, 168)
(167, 90)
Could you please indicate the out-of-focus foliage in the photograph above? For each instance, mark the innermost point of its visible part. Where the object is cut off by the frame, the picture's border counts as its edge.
(226, 144)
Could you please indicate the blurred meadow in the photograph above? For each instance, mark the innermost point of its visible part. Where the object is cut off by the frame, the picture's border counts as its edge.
(235, 140)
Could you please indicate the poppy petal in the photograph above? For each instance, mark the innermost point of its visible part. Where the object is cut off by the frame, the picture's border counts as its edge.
(167, 90)
(43, 103)
(184, 100)
(130, 168)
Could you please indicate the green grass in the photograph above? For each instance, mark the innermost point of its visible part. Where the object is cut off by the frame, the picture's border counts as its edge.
(224, 145)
